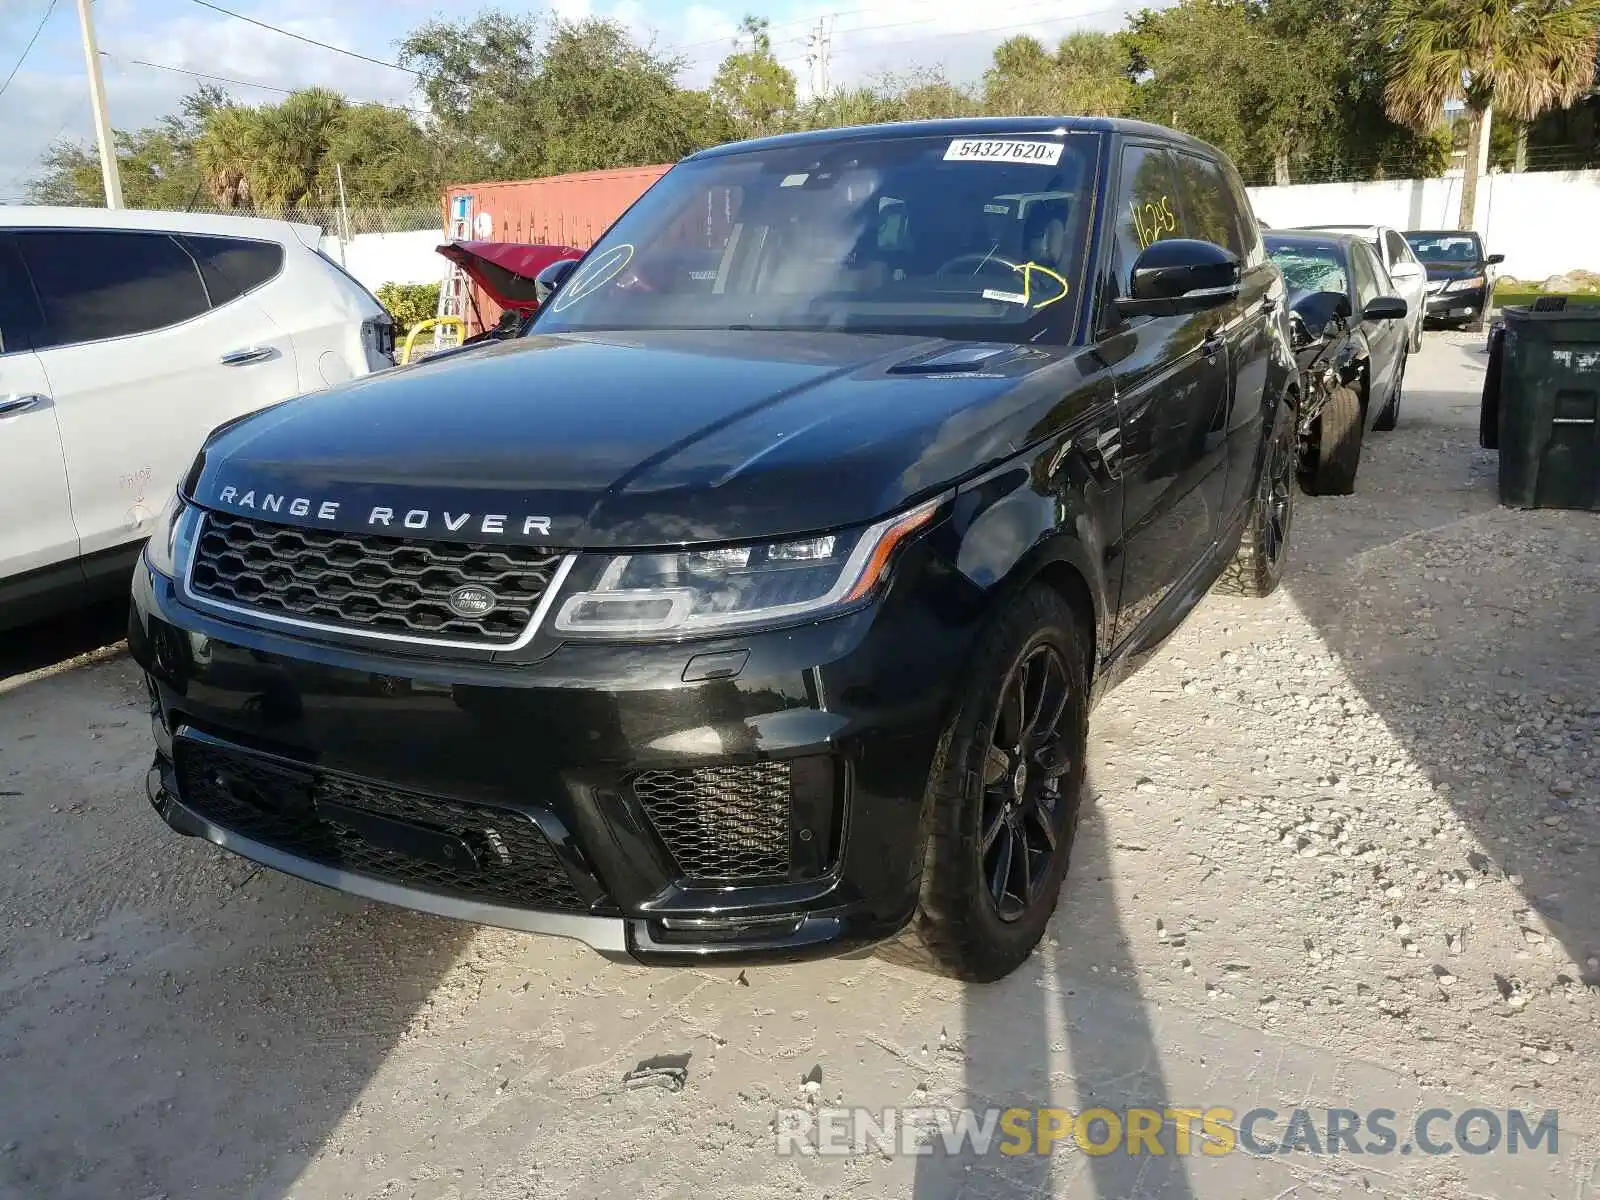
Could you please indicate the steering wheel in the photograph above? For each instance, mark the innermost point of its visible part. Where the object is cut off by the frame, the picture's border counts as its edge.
(982, 261)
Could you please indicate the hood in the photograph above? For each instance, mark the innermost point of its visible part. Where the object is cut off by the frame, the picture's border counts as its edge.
(505, 271)
(640, 439)
(1443, 271)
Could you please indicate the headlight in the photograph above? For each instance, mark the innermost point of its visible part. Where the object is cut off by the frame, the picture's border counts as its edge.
(161, 551)
(1465, 285)
(707, 590)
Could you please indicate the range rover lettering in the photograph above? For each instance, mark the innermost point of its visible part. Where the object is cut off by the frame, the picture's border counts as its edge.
(750, 605)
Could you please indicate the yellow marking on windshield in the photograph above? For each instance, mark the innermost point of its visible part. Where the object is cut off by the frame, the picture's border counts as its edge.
(1027, 269)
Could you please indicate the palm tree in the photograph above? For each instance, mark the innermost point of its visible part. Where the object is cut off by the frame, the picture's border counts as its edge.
(1522, 57)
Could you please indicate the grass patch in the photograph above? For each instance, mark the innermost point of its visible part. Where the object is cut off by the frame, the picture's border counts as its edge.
(1504, 297)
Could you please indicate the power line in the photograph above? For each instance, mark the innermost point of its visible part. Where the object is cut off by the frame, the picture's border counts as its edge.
(228, 12)
(26, 50)
(266, 87)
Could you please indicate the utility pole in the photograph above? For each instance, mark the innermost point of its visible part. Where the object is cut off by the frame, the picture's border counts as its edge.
(819, 49)
(97, 98)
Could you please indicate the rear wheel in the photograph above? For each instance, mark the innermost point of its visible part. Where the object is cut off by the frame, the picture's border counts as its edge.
(1257, 566)
(1004, 795)
(1390, 416)
(1334, 452)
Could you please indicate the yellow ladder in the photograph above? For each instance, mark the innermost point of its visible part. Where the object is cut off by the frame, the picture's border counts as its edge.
(452, 311)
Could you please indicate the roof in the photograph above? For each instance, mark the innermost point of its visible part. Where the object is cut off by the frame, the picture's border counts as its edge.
(1358, 230)
(1302, 237)
(20, 215)
(954, 127)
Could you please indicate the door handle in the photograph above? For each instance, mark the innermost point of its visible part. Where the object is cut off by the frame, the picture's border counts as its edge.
(13, 404)
(254, 354)
(1269, 304)
(1213, 345)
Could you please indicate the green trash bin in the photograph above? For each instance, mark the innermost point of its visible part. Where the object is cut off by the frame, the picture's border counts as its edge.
(1549, 407)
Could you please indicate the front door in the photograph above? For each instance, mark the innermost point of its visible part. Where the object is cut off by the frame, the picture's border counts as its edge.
(1171, 376)
(1386, 340)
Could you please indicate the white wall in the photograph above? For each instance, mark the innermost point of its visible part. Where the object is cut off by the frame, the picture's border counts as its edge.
(1542, 221)
(379, 258)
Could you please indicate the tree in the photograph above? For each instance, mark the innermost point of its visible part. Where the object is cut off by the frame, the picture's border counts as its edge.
(755, 87)
(157, 163)
(515, 98)
(1086, 76)
(1522, 57)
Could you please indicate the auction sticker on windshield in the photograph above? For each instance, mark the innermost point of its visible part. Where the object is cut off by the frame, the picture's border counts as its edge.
(1046, 154)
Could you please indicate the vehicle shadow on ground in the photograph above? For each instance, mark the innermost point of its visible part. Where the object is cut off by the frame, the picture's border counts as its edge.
(47, 643)
(1470, 630)
(1068, 1030)
(173, 1020)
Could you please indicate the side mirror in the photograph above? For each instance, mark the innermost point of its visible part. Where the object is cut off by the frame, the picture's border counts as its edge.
(1181, 275)
(1385, 308)
(1404, 270)
(1494, 260)
(552, 277)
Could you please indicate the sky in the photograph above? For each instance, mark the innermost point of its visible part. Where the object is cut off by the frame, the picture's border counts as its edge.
(49, 95)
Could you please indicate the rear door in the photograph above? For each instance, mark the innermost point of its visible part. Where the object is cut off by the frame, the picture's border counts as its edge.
(36, 528)
(1222, 217)
(1171, 376)
(143, 364)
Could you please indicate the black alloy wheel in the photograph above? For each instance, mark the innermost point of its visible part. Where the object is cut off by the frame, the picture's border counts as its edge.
(1257, 566)
(1023, 766)
(1004, 793)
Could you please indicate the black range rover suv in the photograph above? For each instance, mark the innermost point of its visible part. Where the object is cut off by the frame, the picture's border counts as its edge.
(752, 603)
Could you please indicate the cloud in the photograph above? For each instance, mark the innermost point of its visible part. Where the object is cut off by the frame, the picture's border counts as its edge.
(875, 36)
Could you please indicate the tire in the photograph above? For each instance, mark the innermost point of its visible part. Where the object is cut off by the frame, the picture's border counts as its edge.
(960, 928)
(1257, 565)
(1335, 446)
(1390, 416)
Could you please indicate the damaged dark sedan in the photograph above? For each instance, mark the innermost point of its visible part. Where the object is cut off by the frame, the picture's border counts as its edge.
(1351, 340)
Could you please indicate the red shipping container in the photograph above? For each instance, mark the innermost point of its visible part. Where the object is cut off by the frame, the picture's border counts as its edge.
(562, 210)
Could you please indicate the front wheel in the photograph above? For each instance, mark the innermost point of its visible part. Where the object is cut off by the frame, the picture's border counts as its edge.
(1257, 565)
(1004, 795)
(1334, 451)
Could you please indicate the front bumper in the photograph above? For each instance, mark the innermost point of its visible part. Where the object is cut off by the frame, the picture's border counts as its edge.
(1456, 306)
(774, 813)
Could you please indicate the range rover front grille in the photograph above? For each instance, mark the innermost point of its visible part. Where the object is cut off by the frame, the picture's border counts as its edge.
(501, 855)
(368, 583)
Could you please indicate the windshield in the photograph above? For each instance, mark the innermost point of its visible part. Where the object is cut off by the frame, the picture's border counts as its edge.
(962, 237)
(1309, 266)
(1445, 247)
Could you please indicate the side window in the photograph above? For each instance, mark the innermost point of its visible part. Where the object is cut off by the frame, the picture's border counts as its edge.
(1147, 207)
(1255, 250)
(231, 267)
(1364, 268)
(97, 284)
(1208, 203)
(1396, 247)
(19, 316)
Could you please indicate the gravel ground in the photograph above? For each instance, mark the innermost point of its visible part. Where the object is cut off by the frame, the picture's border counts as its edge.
(1341, 853)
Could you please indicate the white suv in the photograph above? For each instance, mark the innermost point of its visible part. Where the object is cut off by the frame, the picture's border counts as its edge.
(1405, 269)
(125, 338)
